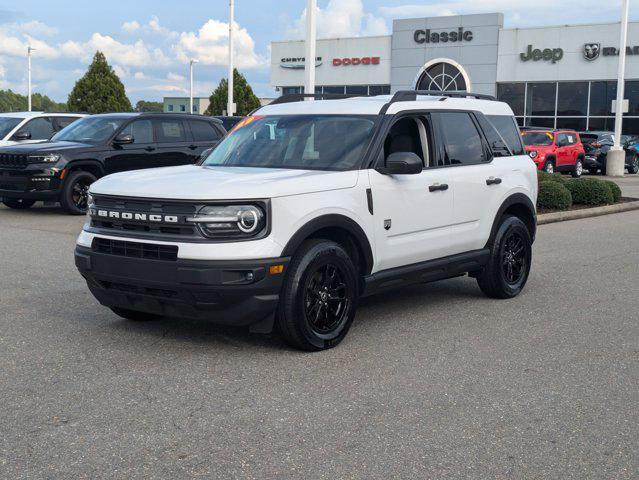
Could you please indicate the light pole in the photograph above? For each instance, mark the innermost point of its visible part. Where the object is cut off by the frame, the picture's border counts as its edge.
(615, 160)
(191, 84)
(230, 107)
(29, 50)
(309, 84)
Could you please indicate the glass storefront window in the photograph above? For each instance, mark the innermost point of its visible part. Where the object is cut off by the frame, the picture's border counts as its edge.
(601, 124)
(379, 90)
(334, 89)
(601, 96)
(631, 92)
(544, 122)
(578, 124)
(572, 99)
(513, 94)
(356, 89)
(630, 126)
(540, 99)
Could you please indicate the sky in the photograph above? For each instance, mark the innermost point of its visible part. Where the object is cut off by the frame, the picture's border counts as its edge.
(149, 42)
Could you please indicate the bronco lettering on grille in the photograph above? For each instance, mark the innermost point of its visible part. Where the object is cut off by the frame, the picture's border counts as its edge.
(142, 217)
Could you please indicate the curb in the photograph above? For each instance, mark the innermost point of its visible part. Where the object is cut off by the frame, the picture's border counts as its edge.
(553, 217)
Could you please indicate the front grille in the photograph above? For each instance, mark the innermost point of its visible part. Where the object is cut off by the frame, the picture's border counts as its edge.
(11, 160)
(120, 248)
(148, 228)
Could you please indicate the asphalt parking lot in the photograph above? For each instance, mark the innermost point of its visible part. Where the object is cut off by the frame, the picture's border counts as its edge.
(433, 381)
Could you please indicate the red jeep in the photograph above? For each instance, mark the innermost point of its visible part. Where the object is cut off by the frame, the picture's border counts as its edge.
(555, 150)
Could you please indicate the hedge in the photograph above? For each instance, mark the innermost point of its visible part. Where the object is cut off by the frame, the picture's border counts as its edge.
(614, 189)
(551, 177)
(590, 191)
(553, 196)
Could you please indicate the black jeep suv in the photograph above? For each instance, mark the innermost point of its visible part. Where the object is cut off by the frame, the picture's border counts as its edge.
(63, 168)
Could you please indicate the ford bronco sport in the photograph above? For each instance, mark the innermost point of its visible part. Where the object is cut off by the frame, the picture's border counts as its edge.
(307, 206)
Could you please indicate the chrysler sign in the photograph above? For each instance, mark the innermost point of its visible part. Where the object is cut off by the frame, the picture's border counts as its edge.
(297, 63)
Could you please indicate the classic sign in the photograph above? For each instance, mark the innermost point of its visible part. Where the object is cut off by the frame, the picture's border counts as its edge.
(459, 35)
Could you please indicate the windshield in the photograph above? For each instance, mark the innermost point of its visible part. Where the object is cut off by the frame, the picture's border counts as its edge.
(537, 138)
(309, 142)
(89, 130)
(7, 124)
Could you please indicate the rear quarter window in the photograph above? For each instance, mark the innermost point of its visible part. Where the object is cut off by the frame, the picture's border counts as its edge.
(509, 131)
(203, 131)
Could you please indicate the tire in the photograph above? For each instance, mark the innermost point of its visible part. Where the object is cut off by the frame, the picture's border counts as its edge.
(549, 166)
(319, 296)
(578, 169)
(500, 277)
(134, 315)
(593, 171)
(19, 203)
(633, 168)
(74, 192)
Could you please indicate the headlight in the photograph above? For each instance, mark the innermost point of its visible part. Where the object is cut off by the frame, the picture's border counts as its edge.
(230, 221)
(532, 154)
(48, 158)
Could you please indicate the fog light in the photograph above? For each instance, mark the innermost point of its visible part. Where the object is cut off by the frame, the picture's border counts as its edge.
(275, 269)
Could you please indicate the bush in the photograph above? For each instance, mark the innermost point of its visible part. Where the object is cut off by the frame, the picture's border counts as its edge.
(614, 189)
(551, 177)
(553, 196)
(590, 191)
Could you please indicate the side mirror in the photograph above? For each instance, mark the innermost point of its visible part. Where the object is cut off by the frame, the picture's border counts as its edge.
(21, 135)
(402, 163)
(123, 139)
(205, 154)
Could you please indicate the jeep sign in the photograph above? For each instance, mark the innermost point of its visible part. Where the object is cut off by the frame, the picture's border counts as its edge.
(548, 54)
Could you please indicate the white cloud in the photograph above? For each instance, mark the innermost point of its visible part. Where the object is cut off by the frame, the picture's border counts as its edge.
(154, 27)
(130, 27)
(341, 18)
(125, 54)
(174, 77)
(121, 71)
(210, 46)
(37, 28)
(15, 38)
(139, 75)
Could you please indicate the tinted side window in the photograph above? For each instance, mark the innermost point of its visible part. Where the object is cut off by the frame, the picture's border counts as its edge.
(170, 131)
(507, 128)
(62, 122)
(462, 142)
(39, 128)
(204, 131)
(562, 140)
(141, 131)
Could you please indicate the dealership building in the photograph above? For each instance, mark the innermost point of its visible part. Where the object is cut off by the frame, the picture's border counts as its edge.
(558, 76)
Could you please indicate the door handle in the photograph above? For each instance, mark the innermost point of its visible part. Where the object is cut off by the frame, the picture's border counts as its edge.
(149, 149)
(493, 181)
(437, 187)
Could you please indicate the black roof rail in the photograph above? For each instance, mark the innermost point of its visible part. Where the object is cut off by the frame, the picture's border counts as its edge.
(411, 96)
(298, 97)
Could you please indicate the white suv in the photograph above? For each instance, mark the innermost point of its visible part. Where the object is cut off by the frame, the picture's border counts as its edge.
(305, 207)
(29, 127)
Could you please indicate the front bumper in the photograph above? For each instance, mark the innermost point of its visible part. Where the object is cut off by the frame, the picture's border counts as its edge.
(215, 290)
(33, 183)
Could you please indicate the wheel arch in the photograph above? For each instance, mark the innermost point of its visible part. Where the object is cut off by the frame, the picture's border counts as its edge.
(521, 207)
(341, 229)
(92, 166)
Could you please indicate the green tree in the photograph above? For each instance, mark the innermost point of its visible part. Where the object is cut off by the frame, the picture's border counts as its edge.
(243, 96)
(99, 91)
(14, 102)
(144, 106)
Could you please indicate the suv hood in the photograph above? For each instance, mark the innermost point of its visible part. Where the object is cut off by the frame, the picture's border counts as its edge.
(45, 147)
(193, 182)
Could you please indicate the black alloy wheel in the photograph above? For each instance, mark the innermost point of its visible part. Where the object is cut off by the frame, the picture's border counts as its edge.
(326, 302)
(319, 296)
(513, 256)
(508, 267)
(75, 193)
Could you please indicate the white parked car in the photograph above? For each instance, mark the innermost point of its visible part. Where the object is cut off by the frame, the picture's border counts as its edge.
(26, 127)
(305, 207)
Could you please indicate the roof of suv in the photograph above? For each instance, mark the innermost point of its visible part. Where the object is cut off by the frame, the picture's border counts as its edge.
(374, 105)
(40, 114)
(156, 114)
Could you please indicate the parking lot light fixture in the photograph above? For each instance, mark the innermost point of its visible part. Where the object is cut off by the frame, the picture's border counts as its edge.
(191, 84)
(309, 61)
(29, 50)
(230, 108)
(615, 163)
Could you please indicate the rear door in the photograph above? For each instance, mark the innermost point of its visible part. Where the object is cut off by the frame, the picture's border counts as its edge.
(476, 182)
(136, 155)
(39, 129)
(205, 135)
(173, 142)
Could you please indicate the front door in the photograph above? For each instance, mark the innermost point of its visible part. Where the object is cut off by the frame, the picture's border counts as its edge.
(132, 156)
(412, 213)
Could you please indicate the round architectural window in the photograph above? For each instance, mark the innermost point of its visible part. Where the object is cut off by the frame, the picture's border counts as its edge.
(442, 77)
